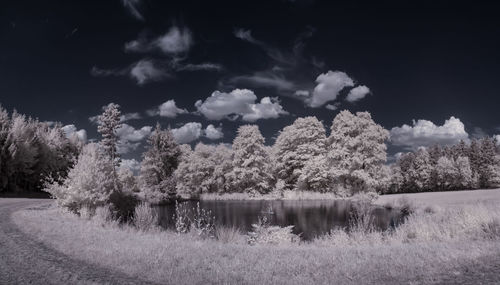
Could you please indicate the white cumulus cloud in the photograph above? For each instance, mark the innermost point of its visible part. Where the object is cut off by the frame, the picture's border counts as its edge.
(239, 102)
(168, 109)
(72, 132)
(328, 87)
(357, 93)
(213, 133)
(497, 137)
(130, 138)
(189, 132)
(426, 133)
(131, 164)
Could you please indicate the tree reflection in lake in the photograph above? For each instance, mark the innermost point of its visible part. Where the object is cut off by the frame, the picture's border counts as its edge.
(309, 217)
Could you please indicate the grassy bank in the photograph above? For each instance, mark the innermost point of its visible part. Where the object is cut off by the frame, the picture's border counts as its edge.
(446, 198)
(430, 246)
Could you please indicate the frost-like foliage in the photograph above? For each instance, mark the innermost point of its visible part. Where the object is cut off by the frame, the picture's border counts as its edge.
(488, 175)
(356, 149)
(416, 170)
(128, 181)
(108, 123)
(315, 176)
(203, 170)
(158, 165)
(89, 183)
(455, 167)
(446, 172)
(264, 234)
(251, 169)
(297, 144)
(31, 151)
(465, 177)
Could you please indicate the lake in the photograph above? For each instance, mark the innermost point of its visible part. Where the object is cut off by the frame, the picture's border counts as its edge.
(310, 218)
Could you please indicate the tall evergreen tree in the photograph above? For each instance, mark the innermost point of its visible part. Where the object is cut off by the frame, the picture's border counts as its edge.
(158, 165)
(251, 169)
(108, 124)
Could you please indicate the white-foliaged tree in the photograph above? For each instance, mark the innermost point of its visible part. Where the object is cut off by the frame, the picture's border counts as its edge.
(108, 123)
(158, 165)
(251, 169)
(89, 183)
(297, 144)
(203, 171)
(315, 176)
(356, 147)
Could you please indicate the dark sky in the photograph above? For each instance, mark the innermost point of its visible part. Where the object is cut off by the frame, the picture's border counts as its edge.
(427, 60)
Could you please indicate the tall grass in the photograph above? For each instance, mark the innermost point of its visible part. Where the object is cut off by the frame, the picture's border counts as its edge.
(425, 248)
(229, 235)
(145, 218)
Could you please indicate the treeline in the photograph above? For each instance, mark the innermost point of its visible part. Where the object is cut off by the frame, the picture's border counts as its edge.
(457, 167)
(32, 152)
(303, 158)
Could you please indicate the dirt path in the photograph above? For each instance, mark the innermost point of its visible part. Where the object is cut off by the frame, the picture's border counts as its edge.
(24, 260)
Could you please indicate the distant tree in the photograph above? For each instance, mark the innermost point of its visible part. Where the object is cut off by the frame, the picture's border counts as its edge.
(460, 150)
(297, 144)
(356, 148)
(4, 153)
(475, 159)
(194, 173)
(465, 177)
(223, 163)
(204, 170)
(21, 151)
(251, 169)
(435, 153)
(108, 123)
(128, 181)
(416, 171)
(89, 183)
(488, 163)
(447, 173)
(158, 165)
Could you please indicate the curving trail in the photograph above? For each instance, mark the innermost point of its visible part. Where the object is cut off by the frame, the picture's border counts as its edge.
(23, 260)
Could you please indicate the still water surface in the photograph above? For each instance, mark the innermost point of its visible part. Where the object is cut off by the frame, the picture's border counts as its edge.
(310, 218)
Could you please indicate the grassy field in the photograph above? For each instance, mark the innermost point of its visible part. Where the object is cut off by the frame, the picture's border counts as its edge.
(442, 244)
(445, 199)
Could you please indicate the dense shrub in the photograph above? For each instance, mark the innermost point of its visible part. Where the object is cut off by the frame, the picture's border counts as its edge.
(263, 233)
(89, 183)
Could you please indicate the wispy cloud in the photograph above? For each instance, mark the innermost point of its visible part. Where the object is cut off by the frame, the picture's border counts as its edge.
(146, 71)
(264, 79)
(143, 71)
(177, 40)
(133, 7)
